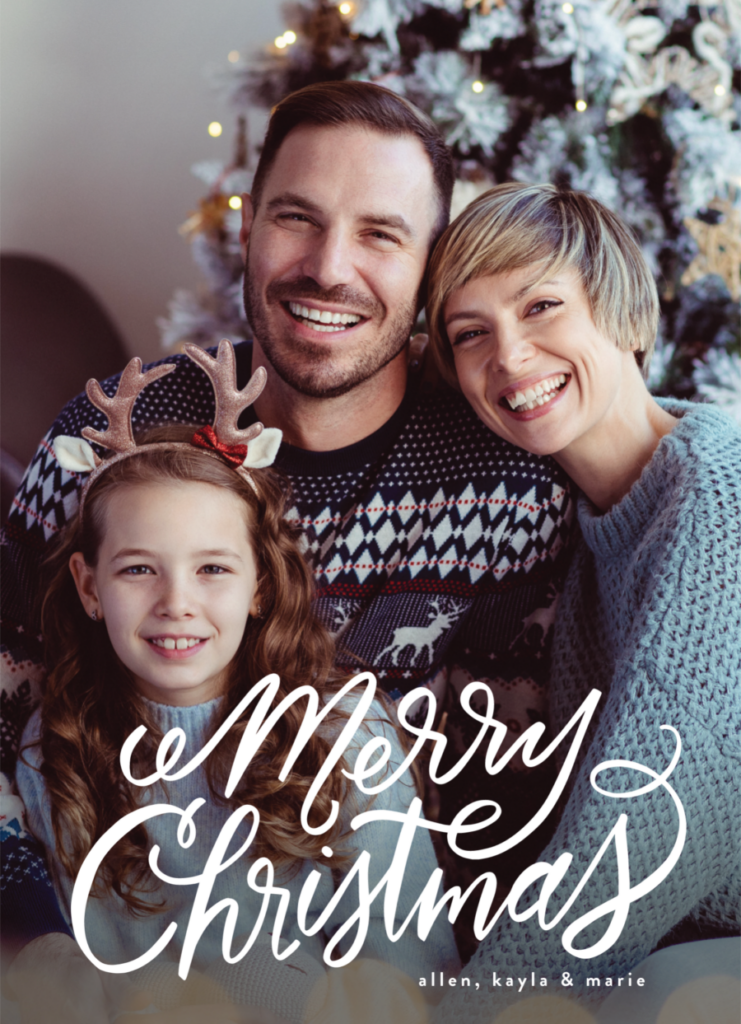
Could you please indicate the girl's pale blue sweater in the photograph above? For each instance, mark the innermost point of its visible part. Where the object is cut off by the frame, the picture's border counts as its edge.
(115, 936)
(651, 617)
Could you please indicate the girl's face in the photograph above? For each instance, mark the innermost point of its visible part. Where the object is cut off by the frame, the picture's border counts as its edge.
(175, 582)
(531, 360)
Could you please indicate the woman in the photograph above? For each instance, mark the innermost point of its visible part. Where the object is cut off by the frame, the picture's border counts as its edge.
(544, 312)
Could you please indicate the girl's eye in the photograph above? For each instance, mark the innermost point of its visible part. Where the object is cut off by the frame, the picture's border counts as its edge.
(137, 570)
(213, 570)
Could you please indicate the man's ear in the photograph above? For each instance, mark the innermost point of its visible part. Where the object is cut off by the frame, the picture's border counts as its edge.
(248, 215)
(84, 579)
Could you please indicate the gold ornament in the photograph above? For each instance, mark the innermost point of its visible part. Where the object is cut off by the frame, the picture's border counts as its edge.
(208, 218)
(719, 245)
(485, 5)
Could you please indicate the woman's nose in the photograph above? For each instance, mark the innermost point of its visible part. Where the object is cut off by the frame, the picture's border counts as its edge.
(512, 349)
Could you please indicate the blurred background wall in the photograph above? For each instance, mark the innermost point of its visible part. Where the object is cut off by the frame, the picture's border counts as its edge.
(105, 106)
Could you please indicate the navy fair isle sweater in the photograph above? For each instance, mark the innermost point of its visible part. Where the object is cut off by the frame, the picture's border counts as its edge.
(438, 551)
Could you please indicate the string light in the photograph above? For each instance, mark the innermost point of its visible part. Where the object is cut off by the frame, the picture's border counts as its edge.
(567, 8)
(235, 202)
(477, 86)
(345, 9)
(286, 39)
(581, 106)
(719, 90)
(215, 129)
(233, 56)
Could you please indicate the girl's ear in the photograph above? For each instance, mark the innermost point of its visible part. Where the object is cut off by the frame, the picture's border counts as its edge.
(85, 583)
(256, 607)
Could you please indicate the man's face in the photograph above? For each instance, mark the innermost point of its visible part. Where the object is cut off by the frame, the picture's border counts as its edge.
(337, 249)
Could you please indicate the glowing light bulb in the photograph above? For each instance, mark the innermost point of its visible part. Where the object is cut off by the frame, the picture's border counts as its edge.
(581, 106)
(281, 43)
(567, 8)
(215, 129)
(290, 36)
(719, 90)
(233, 56)
(477, 86)
(345, 9)
(235, 202)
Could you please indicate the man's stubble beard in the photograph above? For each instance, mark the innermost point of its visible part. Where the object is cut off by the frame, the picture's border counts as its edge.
(307, 368)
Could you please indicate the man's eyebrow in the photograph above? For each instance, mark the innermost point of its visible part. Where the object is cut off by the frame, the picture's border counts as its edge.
(382, 220)
(291, 199)
(389, 220)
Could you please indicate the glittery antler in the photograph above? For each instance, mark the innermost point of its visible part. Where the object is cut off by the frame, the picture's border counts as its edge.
(119, 436)
(230, 401)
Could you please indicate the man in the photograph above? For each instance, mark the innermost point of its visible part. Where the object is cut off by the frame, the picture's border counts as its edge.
(435, 545)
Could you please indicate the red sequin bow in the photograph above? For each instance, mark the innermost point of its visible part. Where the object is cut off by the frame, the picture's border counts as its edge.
(235, 454)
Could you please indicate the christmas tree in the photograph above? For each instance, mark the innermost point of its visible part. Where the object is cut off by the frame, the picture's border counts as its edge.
(637, 102)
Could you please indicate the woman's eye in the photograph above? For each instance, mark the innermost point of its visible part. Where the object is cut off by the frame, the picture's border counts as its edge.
(544, 304)
(213, 570)
(464, 336)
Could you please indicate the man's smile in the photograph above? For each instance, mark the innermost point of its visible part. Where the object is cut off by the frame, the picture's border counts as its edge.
(322, 320)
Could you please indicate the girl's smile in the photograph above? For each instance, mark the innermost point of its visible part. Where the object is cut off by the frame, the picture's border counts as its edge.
(175, 583)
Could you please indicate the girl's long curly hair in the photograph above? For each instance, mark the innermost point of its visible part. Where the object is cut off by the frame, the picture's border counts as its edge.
(91, 705)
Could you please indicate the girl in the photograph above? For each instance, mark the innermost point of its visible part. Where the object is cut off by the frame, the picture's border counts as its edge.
(179, 585)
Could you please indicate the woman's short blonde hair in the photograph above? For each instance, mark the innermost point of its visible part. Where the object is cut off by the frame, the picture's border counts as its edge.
(514, 225)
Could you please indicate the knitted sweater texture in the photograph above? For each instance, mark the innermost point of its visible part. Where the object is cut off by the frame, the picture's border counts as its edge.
(651, 617)
(116, 936)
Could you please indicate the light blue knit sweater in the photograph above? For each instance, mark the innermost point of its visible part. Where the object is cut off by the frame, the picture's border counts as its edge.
(650, 616)
(115, 936)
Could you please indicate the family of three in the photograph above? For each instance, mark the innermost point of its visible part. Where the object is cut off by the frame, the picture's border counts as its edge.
(541, 530)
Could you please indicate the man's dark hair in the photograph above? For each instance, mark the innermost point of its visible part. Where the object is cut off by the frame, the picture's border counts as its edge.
(362, 104)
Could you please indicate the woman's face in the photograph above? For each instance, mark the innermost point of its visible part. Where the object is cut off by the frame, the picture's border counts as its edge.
(175, 582)
(531, 360)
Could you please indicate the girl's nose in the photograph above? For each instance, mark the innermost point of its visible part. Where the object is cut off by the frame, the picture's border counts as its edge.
(175, 600)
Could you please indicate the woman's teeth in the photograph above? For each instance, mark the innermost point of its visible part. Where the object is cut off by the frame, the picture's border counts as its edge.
(531, 398)
(321, 319)
(170, 644)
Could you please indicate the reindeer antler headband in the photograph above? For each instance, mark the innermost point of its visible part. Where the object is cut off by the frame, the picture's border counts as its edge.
(252, 448)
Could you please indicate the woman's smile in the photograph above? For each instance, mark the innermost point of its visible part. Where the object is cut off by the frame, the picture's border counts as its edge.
(531, 360)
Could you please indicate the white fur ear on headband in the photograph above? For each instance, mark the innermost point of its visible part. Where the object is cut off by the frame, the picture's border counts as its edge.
(261, 450)
(74, 454)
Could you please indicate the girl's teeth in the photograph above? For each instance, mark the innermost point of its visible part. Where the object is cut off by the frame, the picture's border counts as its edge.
(170, 644)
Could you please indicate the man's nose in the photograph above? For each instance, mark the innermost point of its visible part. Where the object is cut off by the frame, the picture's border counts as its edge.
(329, 259)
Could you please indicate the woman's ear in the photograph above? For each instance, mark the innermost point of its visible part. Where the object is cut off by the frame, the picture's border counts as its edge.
(84, 579)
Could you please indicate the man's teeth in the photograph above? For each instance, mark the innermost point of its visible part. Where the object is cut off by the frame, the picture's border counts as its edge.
(531, 398)
(322, 320)
(170, 644)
